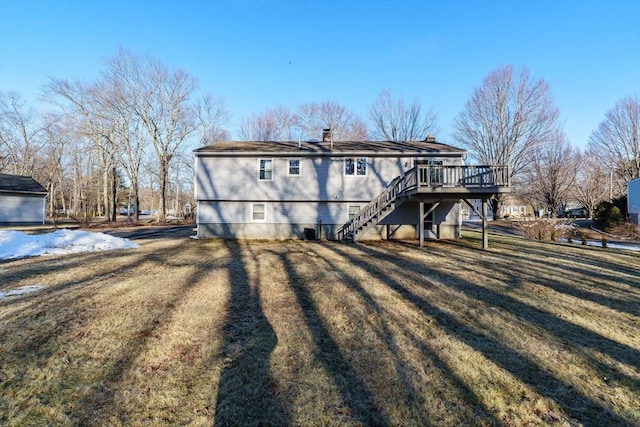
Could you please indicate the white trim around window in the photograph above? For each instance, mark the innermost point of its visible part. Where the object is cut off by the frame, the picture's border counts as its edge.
(265, 169)
(294, 167)
(258, 212)
(355, 166)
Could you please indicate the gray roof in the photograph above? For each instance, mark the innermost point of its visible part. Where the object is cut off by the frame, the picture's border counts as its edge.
(340, 148)
(20, 184)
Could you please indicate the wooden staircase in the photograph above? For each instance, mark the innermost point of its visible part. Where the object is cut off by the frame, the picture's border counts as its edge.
(373, 212)
(428, 182)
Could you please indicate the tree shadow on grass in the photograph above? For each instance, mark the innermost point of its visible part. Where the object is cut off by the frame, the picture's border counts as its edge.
(411, 396)
(519, 365)
(245, 395)
(595, 289)
(353, 390)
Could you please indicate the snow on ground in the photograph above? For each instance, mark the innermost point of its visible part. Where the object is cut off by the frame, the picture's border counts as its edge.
(20, 291)
(17, 244)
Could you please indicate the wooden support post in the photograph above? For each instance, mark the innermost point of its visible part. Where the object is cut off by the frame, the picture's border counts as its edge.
(421, 224)
(485, 236)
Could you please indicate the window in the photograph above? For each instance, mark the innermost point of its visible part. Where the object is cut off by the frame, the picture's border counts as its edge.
(352, 211)
(294, 167)
(355, 166)
(258, 212)
(265, 170)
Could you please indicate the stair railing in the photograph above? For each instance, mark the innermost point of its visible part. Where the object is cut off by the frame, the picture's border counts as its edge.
(373, 208)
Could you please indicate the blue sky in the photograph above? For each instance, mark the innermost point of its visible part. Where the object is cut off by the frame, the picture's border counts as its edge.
(259, 54)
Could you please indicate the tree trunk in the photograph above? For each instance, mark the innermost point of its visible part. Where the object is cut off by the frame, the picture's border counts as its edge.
(164, 178)
(114, 196)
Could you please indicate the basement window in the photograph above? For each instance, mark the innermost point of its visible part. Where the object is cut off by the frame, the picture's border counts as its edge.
(355, 166)
(258, 212)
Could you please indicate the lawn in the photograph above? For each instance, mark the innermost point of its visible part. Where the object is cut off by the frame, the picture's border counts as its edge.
(205, 332)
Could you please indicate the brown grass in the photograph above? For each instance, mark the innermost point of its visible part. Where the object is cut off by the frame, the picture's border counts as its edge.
(302, 333)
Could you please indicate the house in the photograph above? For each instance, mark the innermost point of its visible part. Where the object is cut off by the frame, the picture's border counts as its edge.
(511, 207)
(22, 200)
(633, 201)
(337, 189)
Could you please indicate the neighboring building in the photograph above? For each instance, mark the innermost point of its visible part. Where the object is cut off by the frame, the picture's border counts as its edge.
(512, 207)
(633, 201)
(22, 200)
(281, 190)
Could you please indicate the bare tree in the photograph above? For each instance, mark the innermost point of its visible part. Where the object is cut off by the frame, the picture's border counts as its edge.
(275, 124)
(551, 177)
(505, 119)
(592, 180)
(400, 121)
(20, 135)
(55, 153)
(162, 100)
(87, 106)
(212, 115)
(615, 143)
(345, 125)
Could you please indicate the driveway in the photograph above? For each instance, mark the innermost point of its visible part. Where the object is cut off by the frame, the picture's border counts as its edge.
(160, 232)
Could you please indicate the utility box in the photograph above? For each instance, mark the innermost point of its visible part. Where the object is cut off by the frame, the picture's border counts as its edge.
(309, 234)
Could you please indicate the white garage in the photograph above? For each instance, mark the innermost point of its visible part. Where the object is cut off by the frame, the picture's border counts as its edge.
(633, 200)
(22, 200)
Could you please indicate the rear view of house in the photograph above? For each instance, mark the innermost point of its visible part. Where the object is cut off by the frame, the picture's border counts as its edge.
(22, 200)
(338, 189)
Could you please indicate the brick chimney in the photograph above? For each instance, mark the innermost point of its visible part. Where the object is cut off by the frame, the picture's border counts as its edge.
(326, 135)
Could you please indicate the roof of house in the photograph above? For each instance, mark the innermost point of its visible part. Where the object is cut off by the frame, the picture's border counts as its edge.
(20, 184)
(340, 148)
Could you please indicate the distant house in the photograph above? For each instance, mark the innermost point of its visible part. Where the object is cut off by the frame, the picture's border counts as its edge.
(511, 207)
(633, 200)
(336, 189)
(22, 200)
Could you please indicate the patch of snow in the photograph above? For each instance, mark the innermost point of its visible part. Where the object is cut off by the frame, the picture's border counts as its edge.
(20, 291)
(598, 243)
(17, 244)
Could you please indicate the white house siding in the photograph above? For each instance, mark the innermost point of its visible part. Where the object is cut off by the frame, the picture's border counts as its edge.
(233, 178)
(283, 220)
(21, 209)
(318, 198)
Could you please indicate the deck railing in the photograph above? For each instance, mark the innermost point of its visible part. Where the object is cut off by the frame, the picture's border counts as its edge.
(458, 176)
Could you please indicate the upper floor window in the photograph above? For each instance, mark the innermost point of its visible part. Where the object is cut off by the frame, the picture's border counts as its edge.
(265, 170)
(294, 167)
(355, 166)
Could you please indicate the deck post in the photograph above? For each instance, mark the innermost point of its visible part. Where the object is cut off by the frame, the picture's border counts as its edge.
(421, 224)
(485, 236)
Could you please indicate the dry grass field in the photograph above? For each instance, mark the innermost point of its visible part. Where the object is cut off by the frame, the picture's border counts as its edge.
(188, 332)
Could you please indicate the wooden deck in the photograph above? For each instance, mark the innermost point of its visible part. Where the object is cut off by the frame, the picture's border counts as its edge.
(458, 182)
(432, 183)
